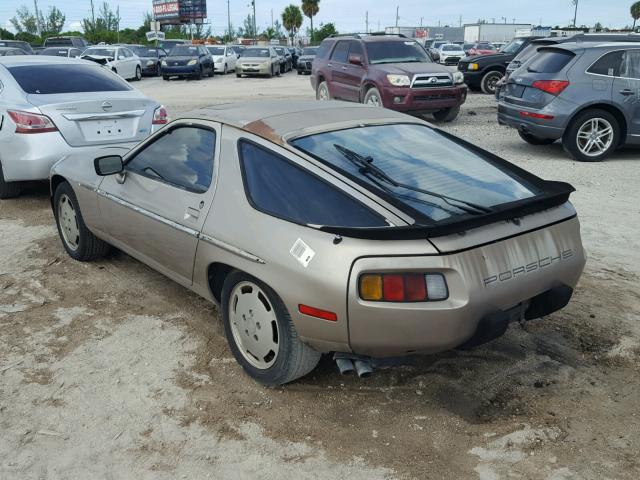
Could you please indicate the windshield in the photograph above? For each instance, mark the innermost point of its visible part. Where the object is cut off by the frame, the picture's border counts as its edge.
(396, 52)
(310, 51)
(451, 48)
(216, 50)
(184, 51)
(145, 52)
(417, 167)
(256, 52)
(513, 46)
(100, 52)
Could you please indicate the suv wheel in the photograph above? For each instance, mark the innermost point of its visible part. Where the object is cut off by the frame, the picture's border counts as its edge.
(322, 92)
(592, 136)
(447, 115)
(489, 82)
(533, 140)
(260, 332)
(373, 97)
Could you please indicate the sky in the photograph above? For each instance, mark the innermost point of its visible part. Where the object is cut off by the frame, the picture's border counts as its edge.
(349, 15)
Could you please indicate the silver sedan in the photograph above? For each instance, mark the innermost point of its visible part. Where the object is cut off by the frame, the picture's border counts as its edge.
(322, 227)
(52, 107)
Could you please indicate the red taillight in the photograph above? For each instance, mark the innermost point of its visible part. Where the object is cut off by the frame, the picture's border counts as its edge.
(540, 116)
(393, 288)
(554, 87)
(415, 288)
(318, 313)
(27, 122)
(160, 116)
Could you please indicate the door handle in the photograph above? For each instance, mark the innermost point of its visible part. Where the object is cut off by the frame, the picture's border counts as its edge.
(627, 92)
(192, 213)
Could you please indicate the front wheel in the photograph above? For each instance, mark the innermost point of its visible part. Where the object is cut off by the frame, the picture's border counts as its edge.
(489, 81)
(322, 92)
(447, 115)
(77, 239)
(9, 189)
(592, 136)
(373, 97)
(534, 140)
(260, 332)
(138, 76)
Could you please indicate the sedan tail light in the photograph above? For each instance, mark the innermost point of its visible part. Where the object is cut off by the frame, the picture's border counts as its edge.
(160, 116)
(554, 87)
(403, 287)
(27, 122)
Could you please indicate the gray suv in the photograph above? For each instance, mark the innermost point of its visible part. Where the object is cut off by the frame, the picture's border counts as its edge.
(588, 95)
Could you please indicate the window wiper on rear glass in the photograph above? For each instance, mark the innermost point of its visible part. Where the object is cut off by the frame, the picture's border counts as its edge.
(366, 167)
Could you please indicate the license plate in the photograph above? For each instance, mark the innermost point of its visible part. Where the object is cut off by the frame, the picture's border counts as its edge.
(106, 129)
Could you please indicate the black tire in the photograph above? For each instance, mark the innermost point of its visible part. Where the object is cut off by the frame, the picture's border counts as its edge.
(138, 76)
(299, 72)
(9, 189)
(199, 74)
(212, 72)
(165, 77)
(570, 137)
(89, 246)
(488, 83)
(447, 115)
(371, 96)
(323, 87)
(294, 359)
(226, 69)
(238, 75)
(158, 70)
(533, 140)
(270, 74)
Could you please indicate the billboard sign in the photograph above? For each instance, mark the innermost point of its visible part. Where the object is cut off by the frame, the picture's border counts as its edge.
(180, 11)
(164, 10)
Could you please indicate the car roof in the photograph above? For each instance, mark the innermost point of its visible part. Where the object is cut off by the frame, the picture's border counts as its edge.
(581, 45)
(277, 121)
(25, 60)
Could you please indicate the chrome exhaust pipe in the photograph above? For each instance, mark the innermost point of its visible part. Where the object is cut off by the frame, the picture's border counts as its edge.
(345, 365)
(363, 368)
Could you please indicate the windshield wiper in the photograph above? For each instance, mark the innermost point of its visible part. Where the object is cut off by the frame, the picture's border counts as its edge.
(366, 167)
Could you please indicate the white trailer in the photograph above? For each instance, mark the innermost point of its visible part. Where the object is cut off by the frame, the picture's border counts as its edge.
(494, 32)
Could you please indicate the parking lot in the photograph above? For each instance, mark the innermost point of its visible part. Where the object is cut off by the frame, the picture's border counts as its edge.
(109, 370)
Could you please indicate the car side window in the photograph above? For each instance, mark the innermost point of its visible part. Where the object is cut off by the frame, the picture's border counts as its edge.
(630, 67)
(182, 157)
(341, 52)
(356, 49)
(282, 189)
(608, 64)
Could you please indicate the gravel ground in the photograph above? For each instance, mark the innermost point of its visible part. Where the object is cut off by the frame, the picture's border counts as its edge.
(110, 371)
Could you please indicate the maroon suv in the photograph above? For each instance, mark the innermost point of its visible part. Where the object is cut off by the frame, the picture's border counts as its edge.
(391, 71)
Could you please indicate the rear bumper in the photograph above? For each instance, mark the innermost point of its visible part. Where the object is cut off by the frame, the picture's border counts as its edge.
(423, 100)
(510, 116)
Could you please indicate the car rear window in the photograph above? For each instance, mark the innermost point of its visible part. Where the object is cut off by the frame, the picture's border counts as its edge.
(419, 170)
(278, 187)
(396, 52)
(56, 52)
(310, 51)
(65, 78)
(550, 61)
(50, 42)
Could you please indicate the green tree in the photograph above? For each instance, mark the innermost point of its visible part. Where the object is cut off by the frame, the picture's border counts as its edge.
(247, 30)
(6, 34)
(292, 19)
(54, 22)
(635, 13)
(310, 9)
(25, 22)
(325, 30)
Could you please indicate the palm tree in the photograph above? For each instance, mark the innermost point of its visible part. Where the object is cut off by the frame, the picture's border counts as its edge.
(310, 9)
(635, 13)
(292, 19)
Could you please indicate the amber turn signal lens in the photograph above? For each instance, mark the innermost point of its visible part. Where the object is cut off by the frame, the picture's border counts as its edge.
(371, 287)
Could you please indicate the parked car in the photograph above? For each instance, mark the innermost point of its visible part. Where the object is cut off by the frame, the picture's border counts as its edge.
(17, 44)
(286, 63)
(11, 51)
(69, 52)
(258, 61)
(434, 49)
(305, 60)
(295, 54)
(482, 49)
(484, 71)
(387, 71)
(224, 58)
(51, 107)
(583, 93)
(450, 54)
(355, 243)
(118, 59)
(467, 47)
(150, 59)
(188, 61)
(239, 49)
(68, 41)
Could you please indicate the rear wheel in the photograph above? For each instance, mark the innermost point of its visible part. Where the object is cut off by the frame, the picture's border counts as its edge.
(592, 136)
(165, 77)
(8, 189)
(533, 140)
(138, 76)
(238, 75)
(322, 92)
(373, 97)
(447, 115)
(489, 82)
(260, 332)
(77, 239)
(271, 74)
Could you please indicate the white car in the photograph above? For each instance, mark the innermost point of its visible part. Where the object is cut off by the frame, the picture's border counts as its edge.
(451, 53)
(119, 59)
(224, 58)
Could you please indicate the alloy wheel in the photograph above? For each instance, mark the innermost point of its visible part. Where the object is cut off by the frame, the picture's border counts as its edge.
(374, 100)
(323, 92)
(595, 137)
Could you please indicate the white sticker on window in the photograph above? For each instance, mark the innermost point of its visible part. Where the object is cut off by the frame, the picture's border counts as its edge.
(302, 252)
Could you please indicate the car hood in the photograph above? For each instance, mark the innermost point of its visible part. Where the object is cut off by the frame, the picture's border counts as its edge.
(411, 68)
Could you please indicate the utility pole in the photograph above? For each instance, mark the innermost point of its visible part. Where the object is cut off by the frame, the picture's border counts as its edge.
(255, 29)
(366, 21)
(397, 14)
(272, 18)
(93, 21)
(421, 19)
(229, 19)
(460, 21)
(38, 26)
(575, 13)
(118, 21)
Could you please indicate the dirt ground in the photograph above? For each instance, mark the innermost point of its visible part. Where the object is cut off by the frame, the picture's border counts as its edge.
(110, 371)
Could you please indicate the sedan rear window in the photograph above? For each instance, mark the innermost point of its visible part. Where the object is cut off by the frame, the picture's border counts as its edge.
(278, 187)
(65, 78)
(550, 61)
(419, 170)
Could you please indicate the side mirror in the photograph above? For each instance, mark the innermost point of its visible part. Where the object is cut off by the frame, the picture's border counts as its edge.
(108, 165)
(355, 59)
